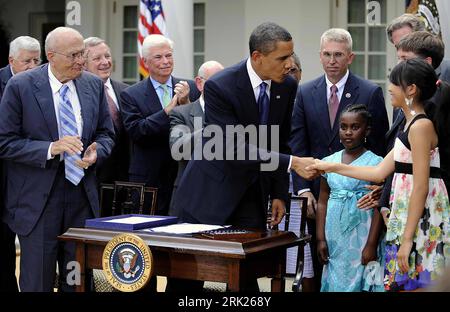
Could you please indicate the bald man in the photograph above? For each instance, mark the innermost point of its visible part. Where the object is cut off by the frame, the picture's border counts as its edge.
(54, 127)
(184, 116)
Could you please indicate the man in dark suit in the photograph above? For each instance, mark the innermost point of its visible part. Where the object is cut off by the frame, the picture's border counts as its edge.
(235, 189)
(54, 128)
(186, 124)
(145, 113)
(99, 62)
(315, 121)
(183, 122)
(24, 54)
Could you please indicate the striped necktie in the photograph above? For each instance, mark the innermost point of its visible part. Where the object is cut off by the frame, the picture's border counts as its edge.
(68, 125)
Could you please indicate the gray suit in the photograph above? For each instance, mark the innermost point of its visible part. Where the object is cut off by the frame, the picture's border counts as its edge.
(183, 115)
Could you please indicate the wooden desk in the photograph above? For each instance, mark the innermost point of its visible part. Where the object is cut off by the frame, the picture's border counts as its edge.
(228, 261)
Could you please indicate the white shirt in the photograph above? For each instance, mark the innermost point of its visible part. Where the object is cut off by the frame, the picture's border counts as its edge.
(56, 85)
(202, 102)
(340, 85)
(111, 93)
(256, 81)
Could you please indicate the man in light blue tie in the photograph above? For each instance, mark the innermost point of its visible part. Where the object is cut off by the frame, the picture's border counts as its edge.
(145, 113)
(54, 128)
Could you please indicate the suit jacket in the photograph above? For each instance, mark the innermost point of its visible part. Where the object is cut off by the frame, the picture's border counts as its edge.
(210, 191)
(148, 127)
(28, 125)
(5, 75)
(115, 167)
(184, 116)
(312, 134)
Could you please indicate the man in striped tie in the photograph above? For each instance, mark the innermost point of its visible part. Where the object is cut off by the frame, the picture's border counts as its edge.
(54, 128)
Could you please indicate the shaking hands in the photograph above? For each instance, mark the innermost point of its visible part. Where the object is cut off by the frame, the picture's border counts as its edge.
(304, 167)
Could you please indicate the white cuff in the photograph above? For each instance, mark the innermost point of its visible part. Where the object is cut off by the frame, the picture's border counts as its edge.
(49, 152)
(290, 163)
(299, 193)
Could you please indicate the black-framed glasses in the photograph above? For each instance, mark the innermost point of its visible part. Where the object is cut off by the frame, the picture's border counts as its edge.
(73, 56)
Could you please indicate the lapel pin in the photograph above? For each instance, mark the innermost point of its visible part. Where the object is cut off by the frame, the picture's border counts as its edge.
(278, 97)
(348, 95)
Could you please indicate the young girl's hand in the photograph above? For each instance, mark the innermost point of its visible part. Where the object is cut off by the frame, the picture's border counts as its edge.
(320, 165)
(368, 254)
(403, 255)
(322, 250)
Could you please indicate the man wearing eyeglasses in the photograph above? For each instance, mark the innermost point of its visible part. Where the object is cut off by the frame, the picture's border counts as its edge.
(24, 54)
(54, 128)
(315, 121)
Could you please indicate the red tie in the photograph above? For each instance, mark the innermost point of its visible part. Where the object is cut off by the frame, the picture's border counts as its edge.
(114, 112)
(333, 104)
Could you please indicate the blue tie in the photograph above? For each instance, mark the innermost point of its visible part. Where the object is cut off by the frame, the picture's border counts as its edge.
(263, 104)
(68, 125)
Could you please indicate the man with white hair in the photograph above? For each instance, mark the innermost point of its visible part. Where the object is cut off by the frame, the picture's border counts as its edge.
(184, 116)
(99, 62)
(315, 120)
(145, 113)
(24, 54)
(54, 127)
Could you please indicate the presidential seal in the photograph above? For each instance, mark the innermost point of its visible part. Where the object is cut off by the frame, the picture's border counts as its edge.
(127, 262)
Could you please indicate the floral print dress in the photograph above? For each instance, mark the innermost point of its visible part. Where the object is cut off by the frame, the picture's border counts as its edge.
(431, 245)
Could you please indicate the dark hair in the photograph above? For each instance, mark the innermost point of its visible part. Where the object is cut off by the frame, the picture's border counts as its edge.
(361, 110)
(265, 37)
(417, 71)
(424, 44)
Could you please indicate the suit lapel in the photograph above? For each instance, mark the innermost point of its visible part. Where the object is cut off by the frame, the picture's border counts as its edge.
(196, 111)
(349, 96)
(151, 100)
(246, 96)
(276, 97)
(44, 97)
(319, 95)
(85, 102)
(6, 74)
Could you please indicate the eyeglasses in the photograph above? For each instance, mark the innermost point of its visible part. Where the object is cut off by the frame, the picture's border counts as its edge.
(35, 61)
(338, 56)
(73, 56)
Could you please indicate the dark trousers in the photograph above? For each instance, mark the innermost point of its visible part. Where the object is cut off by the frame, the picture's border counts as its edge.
(67, 206)
(8, 282)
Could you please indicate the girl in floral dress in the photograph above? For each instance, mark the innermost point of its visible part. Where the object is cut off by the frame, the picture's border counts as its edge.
(418, 237)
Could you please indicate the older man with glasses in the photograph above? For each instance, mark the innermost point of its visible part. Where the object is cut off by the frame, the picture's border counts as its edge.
(54, 128)
(24, 54)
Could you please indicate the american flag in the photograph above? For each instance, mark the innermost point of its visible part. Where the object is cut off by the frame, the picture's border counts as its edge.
(151, 21)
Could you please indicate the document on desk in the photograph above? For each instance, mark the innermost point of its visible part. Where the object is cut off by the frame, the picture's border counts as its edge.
(185, 228)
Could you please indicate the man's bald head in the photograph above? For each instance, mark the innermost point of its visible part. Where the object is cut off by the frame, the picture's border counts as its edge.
(64, 47)
(205, 71)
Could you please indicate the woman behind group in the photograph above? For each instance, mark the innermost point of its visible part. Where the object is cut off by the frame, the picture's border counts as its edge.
(347, 237)
(417, 238)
